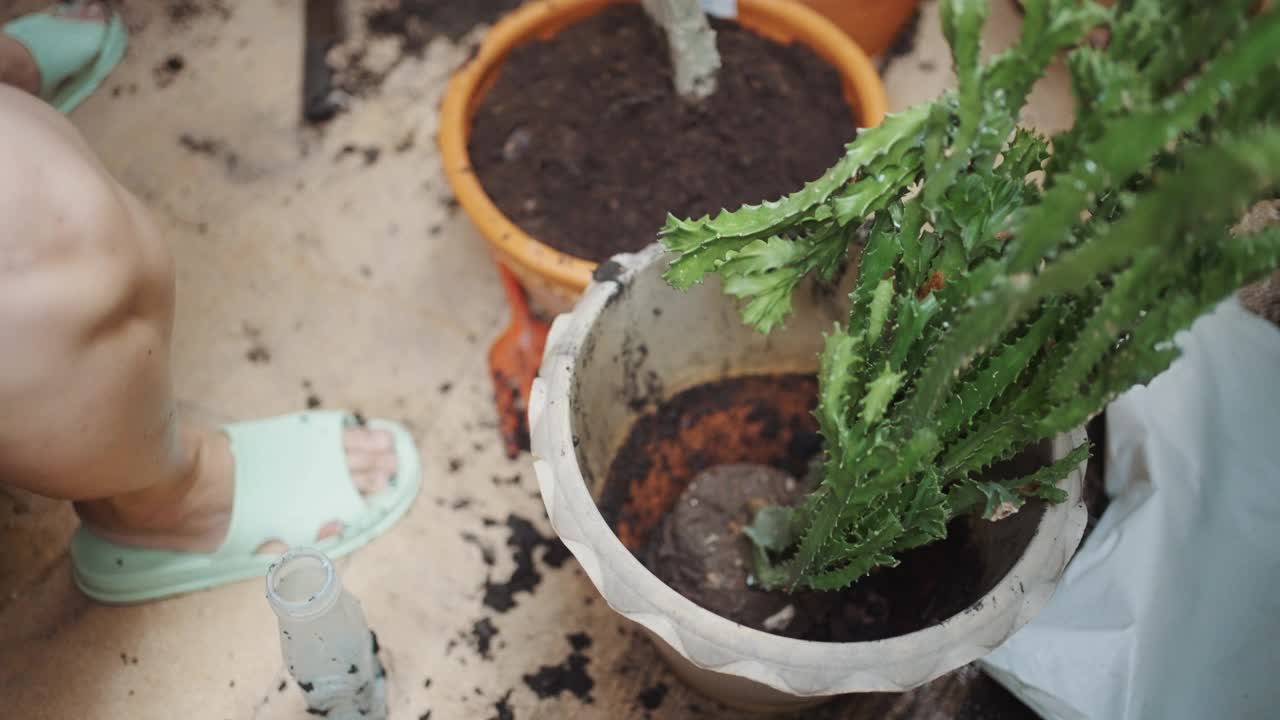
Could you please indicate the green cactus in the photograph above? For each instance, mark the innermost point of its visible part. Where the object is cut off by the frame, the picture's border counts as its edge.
(1006, 291)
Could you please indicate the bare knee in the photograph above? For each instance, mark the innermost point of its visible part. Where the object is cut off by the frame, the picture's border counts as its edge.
(85, 294)
(72, 242)
(55, 198)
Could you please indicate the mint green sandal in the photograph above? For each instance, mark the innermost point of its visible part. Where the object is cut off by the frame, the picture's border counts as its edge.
(291, 479)
(74, 55)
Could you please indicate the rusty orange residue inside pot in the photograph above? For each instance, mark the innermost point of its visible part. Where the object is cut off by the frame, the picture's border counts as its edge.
(764, 419)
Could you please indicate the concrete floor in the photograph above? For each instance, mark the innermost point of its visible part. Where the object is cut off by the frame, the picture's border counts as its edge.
(309, 268)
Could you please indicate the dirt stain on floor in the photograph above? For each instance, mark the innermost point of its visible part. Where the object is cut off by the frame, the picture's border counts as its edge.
(416, 22)
(524, 540)
(569, 676)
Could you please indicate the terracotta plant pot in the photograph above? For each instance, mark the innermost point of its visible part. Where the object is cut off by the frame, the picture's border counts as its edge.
(553, 279)
(873, 24)
(593, 386)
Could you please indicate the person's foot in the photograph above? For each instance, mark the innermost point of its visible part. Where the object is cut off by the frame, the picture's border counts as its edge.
(193, 513)
(19, 69)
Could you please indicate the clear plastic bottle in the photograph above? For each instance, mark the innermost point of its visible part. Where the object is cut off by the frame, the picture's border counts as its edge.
(326, 642)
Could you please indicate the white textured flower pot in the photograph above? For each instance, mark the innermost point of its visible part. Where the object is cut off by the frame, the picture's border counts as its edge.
(580, 412)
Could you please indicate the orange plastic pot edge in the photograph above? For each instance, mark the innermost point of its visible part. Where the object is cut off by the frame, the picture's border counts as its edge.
(532, 261)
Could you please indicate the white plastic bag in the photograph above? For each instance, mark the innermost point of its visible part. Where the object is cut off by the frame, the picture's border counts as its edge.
(1171, 609)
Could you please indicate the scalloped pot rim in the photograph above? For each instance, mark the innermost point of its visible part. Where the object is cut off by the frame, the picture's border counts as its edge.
(795, 667)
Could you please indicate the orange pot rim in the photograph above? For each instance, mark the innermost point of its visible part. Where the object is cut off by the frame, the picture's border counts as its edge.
(540, 18)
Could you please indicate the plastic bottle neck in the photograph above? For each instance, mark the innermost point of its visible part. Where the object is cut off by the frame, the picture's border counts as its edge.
(302, 585)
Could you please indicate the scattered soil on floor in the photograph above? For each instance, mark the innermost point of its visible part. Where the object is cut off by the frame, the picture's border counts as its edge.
(487, 554)
(501, 709)
(651, 697)
(524, 540)
(570, 676)
(213, 148)
(418, 21)
(481, 637)
(168, 69)
(183, 12)
(966, 694)
(584, 144)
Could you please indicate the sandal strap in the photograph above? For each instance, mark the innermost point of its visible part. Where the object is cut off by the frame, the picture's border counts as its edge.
(61, 46)
(291, 477)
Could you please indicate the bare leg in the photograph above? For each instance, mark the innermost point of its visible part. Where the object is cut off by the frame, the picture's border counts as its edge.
(86, 312)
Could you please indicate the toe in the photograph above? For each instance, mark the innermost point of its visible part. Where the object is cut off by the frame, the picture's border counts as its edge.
(368, 440)
(333, 528)
(92, 10)
(377, 483)
(367, 482)
(330, 529)
(272, 547)
(360, 461)
(371, 461)
(371, 458)
(388, 464)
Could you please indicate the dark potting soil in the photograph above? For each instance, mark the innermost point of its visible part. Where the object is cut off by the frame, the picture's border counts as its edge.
(762, 420)
(417, 21)
(1095, 497)
(699, 549)
(584, 144)
(930, 585)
